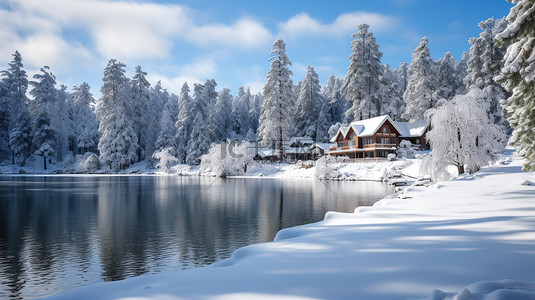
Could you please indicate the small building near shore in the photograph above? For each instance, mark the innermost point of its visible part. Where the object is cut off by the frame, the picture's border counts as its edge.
(377, 137)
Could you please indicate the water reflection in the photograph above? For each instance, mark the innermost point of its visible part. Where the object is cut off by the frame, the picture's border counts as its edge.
(60, 232)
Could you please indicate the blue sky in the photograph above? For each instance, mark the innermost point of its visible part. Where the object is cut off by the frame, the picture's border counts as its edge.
(230, 41)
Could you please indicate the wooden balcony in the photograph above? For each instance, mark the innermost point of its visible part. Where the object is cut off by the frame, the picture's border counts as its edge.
(370, 146)
(386, 134)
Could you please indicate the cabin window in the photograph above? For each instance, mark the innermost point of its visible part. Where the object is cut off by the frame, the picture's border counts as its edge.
(352, 135)
(417, 141)
(386, 129)
(369, 141)
(341, 144)
(386, 141)
(352, 142)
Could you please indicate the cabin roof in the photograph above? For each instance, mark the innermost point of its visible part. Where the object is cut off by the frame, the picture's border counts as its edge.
(413, 129)
(369, 127)
(268, 152)
(303, 140)
(323, 146)
(343, 131)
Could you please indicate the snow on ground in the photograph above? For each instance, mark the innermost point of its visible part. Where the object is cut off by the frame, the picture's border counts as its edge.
(373, 170)
(491, 290)
(471, 238)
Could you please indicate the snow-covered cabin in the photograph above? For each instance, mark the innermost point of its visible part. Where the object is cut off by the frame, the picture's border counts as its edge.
(301, 141)
(268, 154)
(376, 137)
(299, 148)
(320, 149)
(415, 133)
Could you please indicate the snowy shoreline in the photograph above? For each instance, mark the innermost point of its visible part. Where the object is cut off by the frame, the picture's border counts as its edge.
(463, 236)
(375, 171)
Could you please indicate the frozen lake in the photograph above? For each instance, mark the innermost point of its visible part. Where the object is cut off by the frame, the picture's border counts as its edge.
(59, 232)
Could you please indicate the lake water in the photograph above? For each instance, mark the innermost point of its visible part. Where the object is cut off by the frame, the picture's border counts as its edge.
(59, 232)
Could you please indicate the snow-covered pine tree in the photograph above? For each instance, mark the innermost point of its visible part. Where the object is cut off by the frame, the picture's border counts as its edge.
(4, 122)
(518, 77)
(15, 116)
(484, 65)
(392, 103)
(63, 122)
(446, 79)
(388, 73)
(336, 105)
(183, 123)
(221, 119)
(200, 136)
(276, 120)
(421, 86)
(45, 136)
(296, 89)
(255, 109)
(86, 125)
(333, 85)
(173, 107)
(167, 130)
(485, 60)
(139, 108)
(209, 94)
(334, 129)
(461, 70)
(309, 104)
(20, 139)
(118, 141)
(364, 83)
(157, 100)
(324, 123)
(401, 75)
(240, 111)
(462, 135)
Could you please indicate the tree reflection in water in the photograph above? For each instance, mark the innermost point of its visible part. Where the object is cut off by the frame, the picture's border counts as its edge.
(58, 232)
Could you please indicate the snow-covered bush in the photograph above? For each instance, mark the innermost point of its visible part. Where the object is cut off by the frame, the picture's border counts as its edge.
(405, 149)
(325, 169)
(165, 159)
(92, 163)
(391, 157)
(87, 163)
(69, 161)
(227, 159)
(462, 136)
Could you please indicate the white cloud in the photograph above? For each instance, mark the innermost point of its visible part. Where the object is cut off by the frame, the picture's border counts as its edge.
(198, 71)
(202, 67)
(303, 25)
(121, 30)
(115, 29)
(245, 34)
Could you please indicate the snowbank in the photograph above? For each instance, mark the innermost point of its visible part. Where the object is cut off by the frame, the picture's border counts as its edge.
(374, 170)
(491, 290)
(370, 170)
(444, 237)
